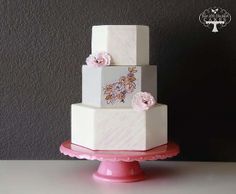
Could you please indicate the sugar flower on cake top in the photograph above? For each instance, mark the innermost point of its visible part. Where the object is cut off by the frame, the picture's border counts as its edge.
(99, 59)
(143, 101)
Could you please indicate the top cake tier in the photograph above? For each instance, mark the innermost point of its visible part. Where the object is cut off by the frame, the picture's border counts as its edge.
(127, 44)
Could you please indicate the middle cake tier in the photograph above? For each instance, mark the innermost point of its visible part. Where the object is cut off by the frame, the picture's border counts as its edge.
(114, 86)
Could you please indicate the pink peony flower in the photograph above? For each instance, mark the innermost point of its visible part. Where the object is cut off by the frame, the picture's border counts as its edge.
(142, 101)
(98, 59)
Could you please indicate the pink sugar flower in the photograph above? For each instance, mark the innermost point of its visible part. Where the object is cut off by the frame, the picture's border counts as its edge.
(98, 59)
(142, 101)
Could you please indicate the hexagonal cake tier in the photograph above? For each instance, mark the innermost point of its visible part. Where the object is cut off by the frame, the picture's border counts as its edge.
(114, 86)
(118, 129)
(127, 44)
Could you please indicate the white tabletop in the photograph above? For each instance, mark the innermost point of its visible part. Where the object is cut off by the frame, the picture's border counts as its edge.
(73, 177)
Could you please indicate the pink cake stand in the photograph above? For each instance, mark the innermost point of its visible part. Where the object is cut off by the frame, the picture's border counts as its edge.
(119, 166)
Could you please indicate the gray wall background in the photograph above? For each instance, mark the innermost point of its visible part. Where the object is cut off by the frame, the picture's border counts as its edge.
(44, 43)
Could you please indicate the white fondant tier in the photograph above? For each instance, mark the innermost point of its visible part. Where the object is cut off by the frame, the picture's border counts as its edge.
(119, 128)
(127, 44)
(114, 86)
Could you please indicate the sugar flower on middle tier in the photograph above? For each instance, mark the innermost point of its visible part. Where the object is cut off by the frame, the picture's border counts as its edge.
(100, 59)
(142, 101)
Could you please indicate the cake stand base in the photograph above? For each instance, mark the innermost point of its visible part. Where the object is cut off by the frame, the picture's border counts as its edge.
(119, 171)
(119, 166)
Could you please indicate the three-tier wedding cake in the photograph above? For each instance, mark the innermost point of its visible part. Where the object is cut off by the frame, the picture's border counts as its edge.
(119, 91)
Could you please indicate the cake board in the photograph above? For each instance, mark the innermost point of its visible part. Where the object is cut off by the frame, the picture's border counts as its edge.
(119, 166)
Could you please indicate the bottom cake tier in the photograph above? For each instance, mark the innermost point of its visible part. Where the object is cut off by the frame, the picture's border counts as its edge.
(118, 128)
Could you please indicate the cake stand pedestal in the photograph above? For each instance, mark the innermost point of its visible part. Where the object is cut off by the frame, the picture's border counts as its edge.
(119, 166)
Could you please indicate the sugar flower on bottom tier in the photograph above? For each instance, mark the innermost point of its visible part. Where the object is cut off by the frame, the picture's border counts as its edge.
(142, 101)
(98, 59)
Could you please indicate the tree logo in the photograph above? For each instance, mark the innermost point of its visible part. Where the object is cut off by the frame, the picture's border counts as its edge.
(215, 18)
